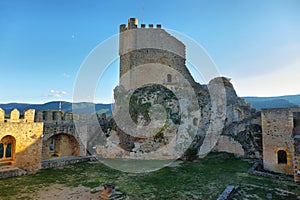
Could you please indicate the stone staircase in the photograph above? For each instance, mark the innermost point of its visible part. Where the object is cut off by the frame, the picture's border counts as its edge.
(9, 171)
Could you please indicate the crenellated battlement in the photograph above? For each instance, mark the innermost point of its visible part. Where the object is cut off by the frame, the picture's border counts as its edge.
(57, 117)
(133, 24)
(15, 117)
(53, 116)
(133, 38)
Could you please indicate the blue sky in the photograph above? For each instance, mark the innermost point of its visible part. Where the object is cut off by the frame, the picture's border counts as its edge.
(43, 43)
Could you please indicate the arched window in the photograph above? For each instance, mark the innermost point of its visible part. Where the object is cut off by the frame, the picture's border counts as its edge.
(1, 150)
(282, 158)
(169, 78)
(7, 147)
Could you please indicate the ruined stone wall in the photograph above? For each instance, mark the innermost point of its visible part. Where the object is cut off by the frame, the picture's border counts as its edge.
(245, 133)
(277, 127)
(27, 134)
(228, 144)
(69, 140)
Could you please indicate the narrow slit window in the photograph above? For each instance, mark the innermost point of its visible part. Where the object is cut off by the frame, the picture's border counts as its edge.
(169, 78)
(52, 143)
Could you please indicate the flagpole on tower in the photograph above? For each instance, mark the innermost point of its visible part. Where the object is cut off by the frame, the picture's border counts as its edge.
(59, 107)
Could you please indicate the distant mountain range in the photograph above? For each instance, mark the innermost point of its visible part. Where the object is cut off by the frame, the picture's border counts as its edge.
(274, 102)
(257, 102)
(54, 105)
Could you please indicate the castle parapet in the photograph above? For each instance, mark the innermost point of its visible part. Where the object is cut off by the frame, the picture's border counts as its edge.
(53, 116)
(133, 24)
(2, 114)
(58, 117)
(15, 116)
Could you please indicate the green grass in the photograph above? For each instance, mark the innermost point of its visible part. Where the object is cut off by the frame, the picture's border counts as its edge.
(204, 179)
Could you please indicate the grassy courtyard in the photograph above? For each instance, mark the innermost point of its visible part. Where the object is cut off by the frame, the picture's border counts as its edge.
(204, 179)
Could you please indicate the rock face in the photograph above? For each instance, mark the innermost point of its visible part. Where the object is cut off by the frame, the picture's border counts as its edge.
(242, 127)
(247, 133)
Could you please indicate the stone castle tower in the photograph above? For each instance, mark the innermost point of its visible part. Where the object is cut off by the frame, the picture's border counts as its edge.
(155, 47)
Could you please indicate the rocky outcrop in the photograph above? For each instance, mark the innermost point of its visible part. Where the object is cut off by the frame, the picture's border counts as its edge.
(242, 127)
(248, 134)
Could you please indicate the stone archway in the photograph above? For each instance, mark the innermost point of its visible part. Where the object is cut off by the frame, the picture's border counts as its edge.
(60, 145)
(7, 150)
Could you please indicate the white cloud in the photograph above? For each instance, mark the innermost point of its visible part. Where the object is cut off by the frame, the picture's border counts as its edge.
(58, 94)
(284, 81)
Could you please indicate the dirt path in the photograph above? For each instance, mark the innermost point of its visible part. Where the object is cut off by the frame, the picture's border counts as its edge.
(61, 192)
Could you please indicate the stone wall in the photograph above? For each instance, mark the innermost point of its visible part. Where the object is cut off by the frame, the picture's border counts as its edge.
(228, 144)
(61, 162)
(26, 138)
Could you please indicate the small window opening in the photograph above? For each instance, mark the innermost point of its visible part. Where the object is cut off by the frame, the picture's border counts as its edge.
(169, 78)
(282, 158)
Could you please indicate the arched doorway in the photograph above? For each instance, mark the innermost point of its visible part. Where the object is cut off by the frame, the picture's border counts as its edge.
(61, 145)
(7, 150)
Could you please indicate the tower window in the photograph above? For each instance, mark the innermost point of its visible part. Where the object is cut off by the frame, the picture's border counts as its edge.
(282, 157)
(169, 78)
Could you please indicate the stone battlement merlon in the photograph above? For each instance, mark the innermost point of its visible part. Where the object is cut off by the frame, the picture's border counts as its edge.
(133, 24)
(15, 116)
